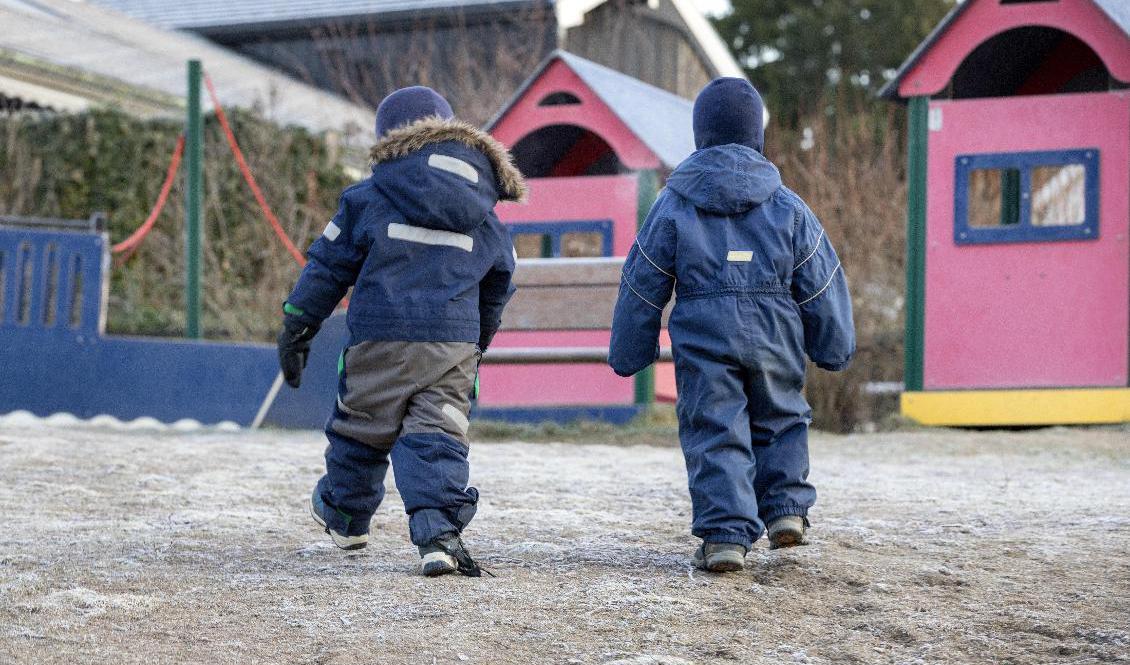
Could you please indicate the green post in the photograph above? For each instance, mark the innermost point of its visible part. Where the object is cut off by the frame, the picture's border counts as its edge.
(194, 200)
(648, 191)
(916, 243)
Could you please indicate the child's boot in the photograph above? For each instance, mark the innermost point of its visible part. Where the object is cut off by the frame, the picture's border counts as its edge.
(318, 510)
(787, 531)
(720, 557)
(447, 554)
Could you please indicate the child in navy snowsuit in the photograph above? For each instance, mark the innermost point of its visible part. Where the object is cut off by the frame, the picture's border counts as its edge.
(757, 287)
(431, 268)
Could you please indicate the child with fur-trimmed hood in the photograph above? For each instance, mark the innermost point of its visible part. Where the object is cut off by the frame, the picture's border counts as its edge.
(430, 265)
(758, 286)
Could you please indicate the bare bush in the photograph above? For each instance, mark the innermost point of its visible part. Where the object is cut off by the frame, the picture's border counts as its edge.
(69, 166)
(477, 64)
(849, 167)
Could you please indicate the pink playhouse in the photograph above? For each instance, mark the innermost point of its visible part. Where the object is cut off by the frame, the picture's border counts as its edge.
(595, 144)
(1018, 272)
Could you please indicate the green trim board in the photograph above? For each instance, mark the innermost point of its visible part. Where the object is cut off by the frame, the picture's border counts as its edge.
(916, 243)
(647, 191)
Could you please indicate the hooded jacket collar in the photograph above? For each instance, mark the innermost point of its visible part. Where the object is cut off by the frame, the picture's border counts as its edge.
(418, 135)
(726, 179)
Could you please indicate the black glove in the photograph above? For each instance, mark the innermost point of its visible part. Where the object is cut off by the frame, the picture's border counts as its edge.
(294, 348)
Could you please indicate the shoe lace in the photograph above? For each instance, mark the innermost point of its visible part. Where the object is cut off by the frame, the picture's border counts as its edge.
(465, 564)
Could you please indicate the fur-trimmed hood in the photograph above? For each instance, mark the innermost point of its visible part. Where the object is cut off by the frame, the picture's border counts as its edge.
(418, 135)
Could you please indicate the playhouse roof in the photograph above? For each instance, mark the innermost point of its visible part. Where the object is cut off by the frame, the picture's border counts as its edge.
(659, 119)
(1117, 10)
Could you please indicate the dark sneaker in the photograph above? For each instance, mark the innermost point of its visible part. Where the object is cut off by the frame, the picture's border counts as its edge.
(447, 554)
(787, 531)
(318, 508)
(720, 557)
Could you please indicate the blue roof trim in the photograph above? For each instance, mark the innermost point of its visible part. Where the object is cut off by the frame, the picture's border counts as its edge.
(660, 119)
(1117, 10)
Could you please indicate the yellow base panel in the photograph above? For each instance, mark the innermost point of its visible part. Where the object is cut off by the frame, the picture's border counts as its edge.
(973, 408)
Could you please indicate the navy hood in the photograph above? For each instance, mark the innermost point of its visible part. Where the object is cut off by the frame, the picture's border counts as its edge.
(729, 110)
(444, 174)
(725, 180)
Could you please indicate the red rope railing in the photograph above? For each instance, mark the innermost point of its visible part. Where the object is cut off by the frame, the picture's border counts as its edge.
(249, 177)
(128, 246)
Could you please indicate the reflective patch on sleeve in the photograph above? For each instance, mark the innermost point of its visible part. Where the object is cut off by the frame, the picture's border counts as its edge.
(430, 236)
(454, 165)
(332, 231)
(824, 288)
(456, 417)
(739, 257)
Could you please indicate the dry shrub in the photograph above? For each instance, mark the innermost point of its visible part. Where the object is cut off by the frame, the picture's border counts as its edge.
(69, 166)
(852, 175)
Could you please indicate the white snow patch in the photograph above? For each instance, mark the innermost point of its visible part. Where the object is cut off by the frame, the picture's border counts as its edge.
(28, 420)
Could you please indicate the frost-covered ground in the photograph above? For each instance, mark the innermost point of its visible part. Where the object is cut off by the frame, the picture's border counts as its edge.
(141, 546)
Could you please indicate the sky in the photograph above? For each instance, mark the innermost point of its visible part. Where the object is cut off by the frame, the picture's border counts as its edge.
(711, 7)
(572, 10)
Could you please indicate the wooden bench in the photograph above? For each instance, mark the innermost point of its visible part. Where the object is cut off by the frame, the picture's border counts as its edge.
(561, 294)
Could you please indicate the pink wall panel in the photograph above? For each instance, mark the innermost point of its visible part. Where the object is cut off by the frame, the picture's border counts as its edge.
(557, 385)
(580, 199)
(573, 199)
(1033, 314)
(986, 18)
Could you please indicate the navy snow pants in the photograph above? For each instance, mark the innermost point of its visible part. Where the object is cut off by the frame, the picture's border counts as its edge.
(431, 476)
(404, 404)
(743, 428)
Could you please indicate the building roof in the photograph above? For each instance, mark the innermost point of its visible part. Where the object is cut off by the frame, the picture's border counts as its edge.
(215, 15)
(204, 14)
(70, 55)
(660, 119)
(1117, 10)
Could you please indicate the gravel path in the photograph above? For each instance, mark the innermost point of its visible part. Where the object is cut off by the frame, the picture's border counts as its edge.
(929, 546)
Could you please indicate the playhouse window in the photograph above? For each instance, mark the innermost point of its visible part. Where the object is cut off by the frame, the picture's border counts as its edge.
(562, 239)
(1024, 197)
(560, 98)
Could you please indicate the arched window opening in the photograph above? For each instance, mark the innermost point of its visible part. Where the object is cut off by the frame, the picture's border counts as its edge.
(562, 151)
(560, 98)
(1030, 61)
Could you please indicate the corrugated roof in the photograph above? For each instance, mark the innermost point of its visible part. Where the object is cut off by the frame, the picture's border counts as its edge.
(660, 119)
(1117, 10)
(82, 49)
(199, 14)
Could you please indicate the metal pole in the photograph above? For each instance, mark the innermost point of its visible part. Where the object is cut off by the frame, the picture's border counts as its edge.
(194, 202)
(648, 192)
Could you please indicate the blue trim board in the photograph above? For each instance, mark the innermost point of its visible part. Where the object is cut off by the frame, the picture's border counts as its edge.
(556, 229)
(1025, 163)
(562, 415)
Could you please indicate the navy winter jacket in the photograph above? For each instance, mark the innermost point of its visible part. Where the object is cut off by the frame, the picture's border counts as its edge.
(755, 277)
(419, 240)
